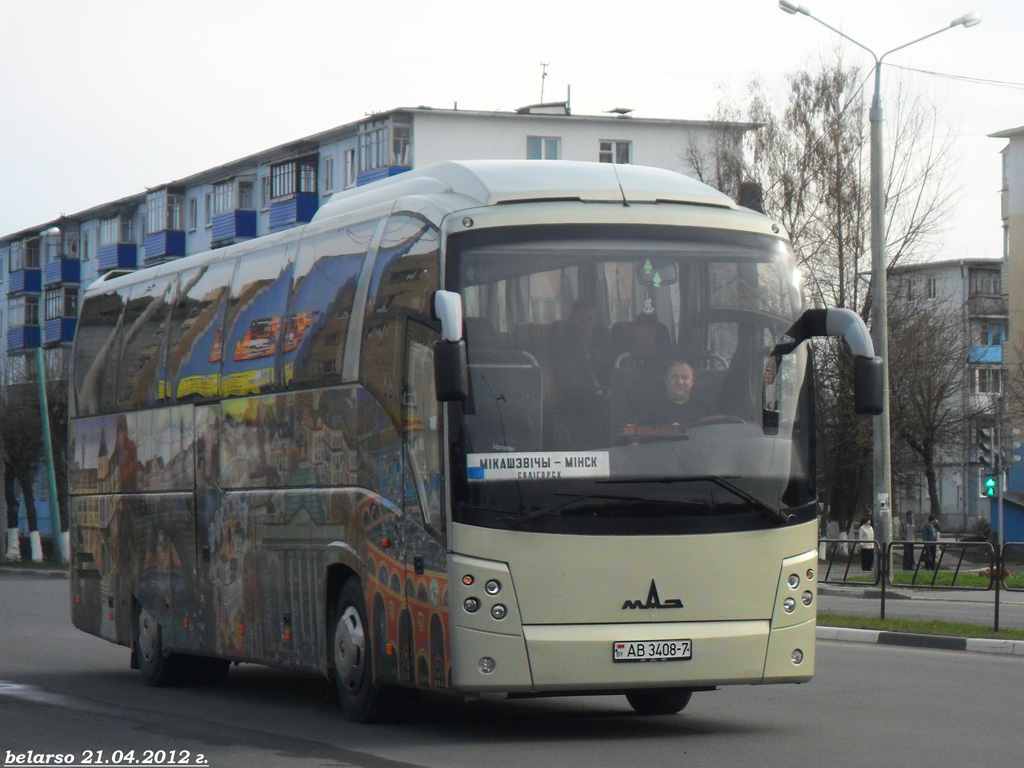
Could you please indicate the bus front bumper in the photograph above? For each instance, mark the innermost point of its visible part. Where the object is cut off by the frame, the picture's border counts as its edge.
(579, 657)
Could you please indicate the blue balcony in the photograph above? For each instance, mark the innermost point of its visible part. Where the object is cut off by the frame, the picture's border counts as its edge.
(117, 256)
(991, 354)
(164, 245)
(62, 271)
(23, 337)
(297, 209)
(377, 174)
(233, 226)
(25, 281)
(60, 330)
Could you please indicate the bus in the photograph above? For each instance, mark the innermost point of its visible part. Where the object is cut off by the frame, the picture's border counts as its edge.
(433, 441)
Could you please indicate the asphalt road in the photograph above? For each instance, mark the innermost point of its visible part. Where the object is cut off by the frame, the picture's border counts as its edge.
(62, 691)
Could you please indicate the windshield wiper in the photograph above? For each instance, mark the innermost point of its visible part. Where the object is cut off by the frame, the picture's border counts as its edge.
(764, 507)
(523, 518)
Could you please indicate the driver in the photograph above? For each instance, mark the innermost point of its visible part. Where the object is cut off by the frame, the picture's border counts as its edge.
(679, 403)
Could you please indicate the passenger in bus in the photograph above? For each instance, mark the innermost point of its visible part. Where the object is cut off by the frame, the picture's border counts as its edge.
(680, 403)
(582, 360)
(642, 338)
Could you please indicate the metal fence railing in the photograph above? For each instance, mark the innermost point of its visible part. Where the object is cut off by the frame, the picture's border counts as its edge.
(975, 566)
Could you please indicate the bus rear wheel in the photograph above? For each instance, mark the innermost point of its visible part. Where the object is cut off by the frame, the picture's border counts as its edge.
(662, 701)
(159, 669)
(362, 700)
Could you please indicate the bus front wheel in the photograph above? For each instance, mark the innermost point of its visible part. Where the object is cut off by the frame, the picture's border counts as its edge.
(362, 700)
(666, 701)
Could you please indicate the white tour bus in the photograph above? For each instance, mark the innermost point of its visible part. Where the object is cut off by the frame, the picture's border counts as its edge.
(528, 428)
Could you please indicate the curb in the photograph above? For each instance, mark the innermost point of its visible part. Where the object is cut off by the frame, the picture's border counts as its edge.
(909, 640)
(50, 573)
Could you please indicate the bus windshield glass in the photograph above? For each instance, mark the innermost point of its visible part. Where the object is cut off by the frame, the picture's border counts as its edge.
(617, 382)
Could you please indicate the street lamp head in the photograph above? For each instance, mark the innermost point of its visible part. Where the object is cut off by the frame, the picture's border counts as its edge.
(971, 19)
(789, 7)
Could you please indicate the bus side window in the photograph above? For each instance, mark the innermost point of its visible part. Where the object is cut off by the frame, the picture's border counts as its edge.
(422, 424)
(195, 345)
(144, 327)
(322, 293)
(254, 320)
(405, 275)
(96, 350)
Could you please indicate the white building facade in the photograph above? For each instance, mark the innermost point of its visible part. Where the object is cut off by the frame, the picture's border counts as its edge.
(46, 265)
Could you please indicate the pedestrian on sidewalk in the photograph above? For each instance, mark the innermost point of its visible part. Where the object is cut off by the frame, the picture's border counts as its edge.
(866, 535)
(908, 538)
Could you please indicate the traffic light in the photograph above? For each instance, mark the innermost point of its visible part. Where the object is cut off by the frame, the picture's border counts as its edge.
(1011, 456)
(986, 447)
(988, 486)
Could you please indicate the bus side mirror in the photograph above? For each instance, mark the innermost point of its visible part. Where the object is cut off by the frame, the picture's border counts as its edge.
(867, 385)
(447, 307)
(451, 371)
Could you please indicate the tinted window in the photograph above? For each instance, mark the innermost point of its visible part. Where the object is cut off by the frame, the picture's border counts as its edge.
(323, 289)
(143, 331)
(255, 317)
(195, 346)
(405, 275)
(95, 355)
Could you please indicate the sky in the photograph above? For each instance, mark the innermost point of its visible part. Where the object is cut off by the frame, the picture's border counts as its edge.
(102, 99)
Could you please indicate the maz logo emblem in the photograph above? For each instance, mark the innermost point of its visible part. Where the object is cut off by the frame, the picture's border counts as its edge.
(653, 601)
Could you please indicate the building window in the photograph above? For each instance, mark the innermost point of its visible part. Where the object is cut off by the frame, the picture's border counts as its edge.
(223, 197)
(612, 151)
(350, 168)
(61, 301)
(328, 174)
(23, 255)
(86, 244)
(163, 211)
(992, 334)
(246, 196)
(986, 381)
(542, 148)
(208, 205)
(931, 286)
(22, 311)
(373, 145)
(193, 214)
(986, 282)
(291, 177)
(264, 192)
(120, 229)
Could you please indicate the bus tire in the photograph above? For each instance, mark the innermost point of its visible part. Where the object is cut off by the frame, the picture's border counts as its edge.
(662, 701)
(158, 668)
(362, 700)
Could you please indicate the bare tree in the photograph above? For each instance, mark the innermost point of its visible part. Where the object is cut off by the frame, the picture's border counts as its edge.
(928, 380)
(811, 157)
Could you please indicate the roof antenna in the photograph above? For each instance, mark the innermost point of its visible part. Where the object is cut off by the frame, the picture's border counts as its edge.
(625, 200)
(543, 77)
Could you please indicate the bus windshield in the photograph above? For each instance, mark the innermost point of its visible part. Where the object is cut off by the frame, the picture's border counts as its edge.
(617, 382)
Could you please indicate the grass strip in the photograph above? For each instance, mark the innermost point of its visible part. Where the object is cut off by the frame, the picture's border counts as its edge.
(919, 627)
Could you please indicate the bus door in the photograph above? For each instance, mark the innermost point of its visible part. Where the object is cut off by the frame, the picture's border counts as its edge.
(426, 581)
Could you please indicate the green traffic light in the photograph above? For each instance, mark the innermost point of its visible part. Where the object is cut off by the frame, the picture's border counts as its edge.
(990, 486)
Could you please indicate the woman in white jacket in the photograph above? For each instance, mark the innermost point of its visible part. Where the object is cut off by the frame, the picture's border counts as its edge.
(866, 534)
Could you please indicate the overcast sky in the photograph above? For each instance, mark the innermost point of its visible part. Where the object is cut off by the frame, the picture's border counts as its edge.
(102, 99)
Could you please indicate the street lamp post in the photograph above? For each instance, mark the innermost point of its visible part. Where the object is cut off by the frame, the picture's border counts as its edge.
(879, 307)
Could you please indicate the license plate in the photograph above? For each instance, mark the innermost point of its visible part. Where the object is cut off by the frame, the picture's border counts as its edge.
(652, 650)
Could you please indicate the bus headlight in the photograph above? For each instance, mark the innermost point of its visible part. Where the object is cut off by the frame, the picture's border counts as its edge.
(807, 598)
(797, 656)
(789, 605)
